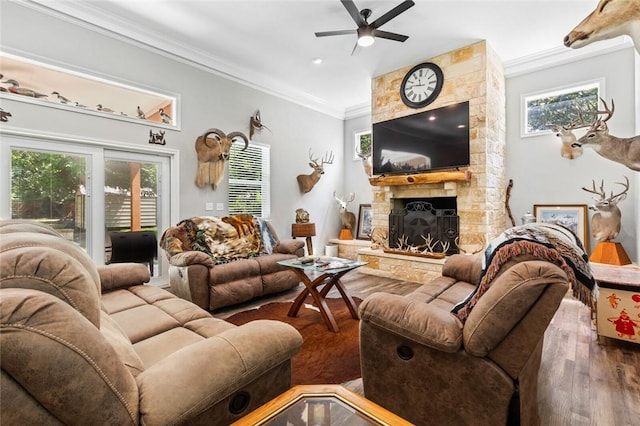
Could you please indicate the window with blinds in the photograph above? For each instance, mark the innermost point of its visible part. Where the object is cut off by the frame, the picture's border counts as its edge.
(249, 180)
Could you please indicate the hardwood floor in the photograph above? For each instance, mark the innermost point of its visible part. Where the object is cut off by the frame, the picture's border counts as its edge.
(582, 381)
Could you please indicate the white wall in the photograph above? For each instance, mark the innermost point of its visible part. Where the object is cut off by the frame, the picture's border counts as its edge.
(355, 179)
(206, 100)
(542, 176)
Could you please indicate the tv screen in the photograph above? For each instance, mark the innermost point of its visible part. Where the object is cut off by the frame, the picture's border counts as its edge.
(429, 140)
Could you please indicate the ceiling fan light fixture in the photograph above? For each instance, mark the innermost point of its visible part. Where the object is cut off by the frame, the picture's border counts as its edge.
(365, 40)
(365, 37)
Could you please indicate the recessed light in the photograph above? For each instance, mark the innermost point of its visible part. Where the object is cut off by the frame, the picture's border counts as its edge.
(316, 61)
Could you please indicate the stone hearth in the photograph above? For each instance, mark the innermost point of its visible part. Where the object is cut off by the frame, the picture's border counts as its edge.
(473, 73)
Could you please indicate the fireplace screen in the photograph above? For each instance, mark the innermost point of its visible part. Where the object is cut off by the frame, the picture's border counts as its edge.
(418, 220)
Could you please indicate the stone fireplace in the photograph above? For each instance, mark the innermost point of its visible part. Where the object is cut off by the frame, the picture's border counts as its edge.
(475, 74)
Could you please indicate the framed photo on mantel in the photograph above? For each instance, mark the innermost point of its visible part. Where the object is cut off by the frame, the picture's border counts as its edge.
(364, 222)
(572, 216)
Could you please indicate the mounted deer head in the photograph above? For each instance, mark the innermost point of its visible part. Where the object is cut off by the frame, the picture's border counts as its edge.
(367, 162)
(212, 154)
(605, 224)
(611, 18)
(307, 182)
(568, 138)
(347, 218)
(625, 151)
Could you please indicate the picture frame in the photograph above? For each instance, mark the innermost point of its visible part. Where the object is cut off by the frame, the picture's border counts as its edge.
(572, 216)
(365, 217)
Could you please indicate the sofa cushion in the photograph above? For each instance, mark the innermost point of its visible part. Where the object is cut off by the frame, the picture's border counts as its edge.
(50, 264)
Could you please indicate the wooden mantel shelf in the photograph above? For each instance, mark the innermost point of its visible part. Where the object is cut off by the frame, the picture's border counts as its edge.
(417, 179)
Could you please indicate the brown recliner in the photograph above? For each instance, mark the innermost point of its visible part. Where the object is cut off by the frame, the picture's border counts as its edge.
(420, 361)
(85, 345)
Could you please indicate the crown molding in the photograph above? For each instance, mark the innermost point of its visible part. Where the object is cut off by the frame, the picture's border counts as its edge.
(563, 55)
(84, 15)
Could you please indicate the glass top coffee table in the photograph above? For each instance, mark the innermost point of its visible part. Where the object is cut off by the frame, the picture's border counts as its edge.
(316, 405)
(317, 271)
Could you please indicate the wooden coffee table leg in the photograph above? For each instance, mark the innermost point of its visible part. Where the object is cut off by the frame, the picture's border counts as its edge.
(348, 300)
(310, 288)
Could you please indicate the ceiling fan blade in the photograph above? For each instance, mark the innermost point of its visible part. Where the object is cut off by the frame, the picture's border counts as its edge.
(392, 14)
(356, 49)
(390, 36)
(354, 12)
(335, 33)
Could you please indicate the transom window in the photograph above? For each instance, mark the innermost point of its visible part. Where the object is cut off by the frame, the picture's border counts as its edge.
(575, 104)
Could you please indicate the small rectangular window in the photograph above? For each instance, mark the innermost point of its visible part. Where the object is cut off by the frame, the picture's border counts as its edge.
(563, 106)
(249, 180)
(361, 143)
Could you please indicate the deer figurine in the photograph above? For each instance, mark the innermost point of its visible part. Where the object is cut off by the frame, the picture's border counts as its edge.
(347, 218)
(625, 151)
(611, 18)
(605, 224)
(307, 182)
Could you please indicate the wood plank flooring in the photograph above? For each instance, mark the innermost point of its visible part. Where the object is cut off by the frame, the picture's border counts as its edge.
(582, 381)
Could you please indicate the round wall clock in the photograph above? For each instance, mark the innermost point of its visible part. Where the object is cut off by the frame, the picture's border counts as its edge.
(421, 85)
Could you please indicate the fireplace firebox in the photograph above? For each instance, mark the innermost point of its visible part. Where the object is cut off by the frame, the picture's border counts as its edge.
(413, 220)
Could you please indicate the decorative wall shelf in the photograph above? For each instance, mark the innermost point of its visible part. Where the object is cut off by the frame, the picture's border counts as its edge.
(417, 179)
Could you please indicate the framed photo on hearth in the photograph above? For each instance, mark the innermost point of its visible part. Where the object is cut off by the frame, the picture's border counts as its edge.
(572, 216)
(364, 222)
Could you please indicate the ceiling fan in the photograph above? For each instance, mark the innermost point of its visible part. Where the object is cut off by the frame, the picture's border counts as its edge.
(367, 32)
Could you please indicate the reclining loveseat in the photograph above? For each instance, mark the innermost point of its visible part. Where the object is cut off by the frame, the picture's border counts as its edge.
(221, 261)
(95, 346)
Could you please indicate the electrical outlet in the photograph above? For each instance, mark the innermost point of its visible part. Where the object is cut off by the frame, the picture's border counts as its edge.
(208, 206)
(220, 206)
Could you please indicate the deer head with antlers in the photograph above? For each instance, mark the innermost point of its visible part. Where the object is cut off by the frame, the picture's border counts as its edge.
(568, 138)
(625, 151)
(367, 162)
(307, 182)
(605, 224)
(347, 218)
(611, 18)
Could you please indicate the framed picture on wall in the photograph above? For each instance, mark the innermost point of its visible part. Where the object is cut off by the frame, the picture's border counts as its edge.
(364, 222)
(572, 216)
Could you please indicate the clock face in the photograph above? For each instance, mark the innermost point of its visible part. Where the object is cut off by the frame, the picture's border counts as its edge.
(421, 85)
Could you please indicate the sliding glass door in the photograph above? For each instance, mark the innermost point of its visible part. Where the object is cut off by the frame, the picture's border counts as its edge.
(87, 192)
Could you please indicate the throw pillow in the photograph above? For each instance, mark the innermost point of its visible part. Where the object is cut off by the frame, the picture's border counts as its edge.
(268, 235)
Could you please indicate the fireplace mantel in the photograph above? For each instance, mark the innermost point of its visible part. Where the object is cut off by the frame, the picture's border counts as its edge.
(421, 178)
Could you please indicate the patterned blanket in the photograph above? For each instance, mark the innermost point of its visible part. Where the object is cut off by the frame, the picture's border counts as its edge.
(548, 242)
(223, 238)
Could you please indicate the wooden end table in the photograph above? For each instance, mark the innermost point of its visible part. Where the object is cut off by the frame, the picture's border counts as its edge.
(324, 271)
(321, 405)
(306, 230)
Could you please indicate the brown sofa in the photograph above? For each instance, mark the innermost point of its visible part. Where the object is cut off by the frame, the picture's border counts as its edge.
(135, 354)
(217, 262)
(478, 366)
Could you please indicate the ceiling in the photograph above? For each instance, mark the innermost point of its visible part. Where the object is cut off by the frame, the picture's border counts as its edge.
(270, 44)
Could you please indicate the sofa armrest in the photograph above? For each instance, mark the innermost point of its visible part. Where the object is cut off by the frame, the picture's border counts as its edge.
(121, 275)
(463, 267)
(290, 246)
(191, 257)
(414, 320)
(194, 379)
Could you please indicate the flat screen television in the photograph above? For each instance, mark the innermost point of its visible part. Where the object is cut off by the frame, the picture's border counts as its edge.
(429, 140)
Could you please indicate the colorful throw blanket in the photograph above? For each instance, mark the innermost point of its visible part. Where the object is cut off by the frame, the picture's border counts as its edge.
(223, 238)
(549, 242)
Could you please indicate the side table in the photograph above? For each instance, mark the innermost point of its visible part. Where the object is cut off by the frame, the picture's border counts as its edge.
(618, 303)
(307, 230)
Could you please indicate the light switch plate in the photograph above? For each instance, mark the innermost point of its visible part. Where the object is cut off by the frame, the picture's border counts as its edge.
(208, 206)
(220, 206)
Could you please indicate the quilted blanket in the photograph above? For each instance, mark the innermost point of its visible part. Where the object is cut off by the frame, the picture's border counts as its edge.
(549, 242)
(223, 238)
